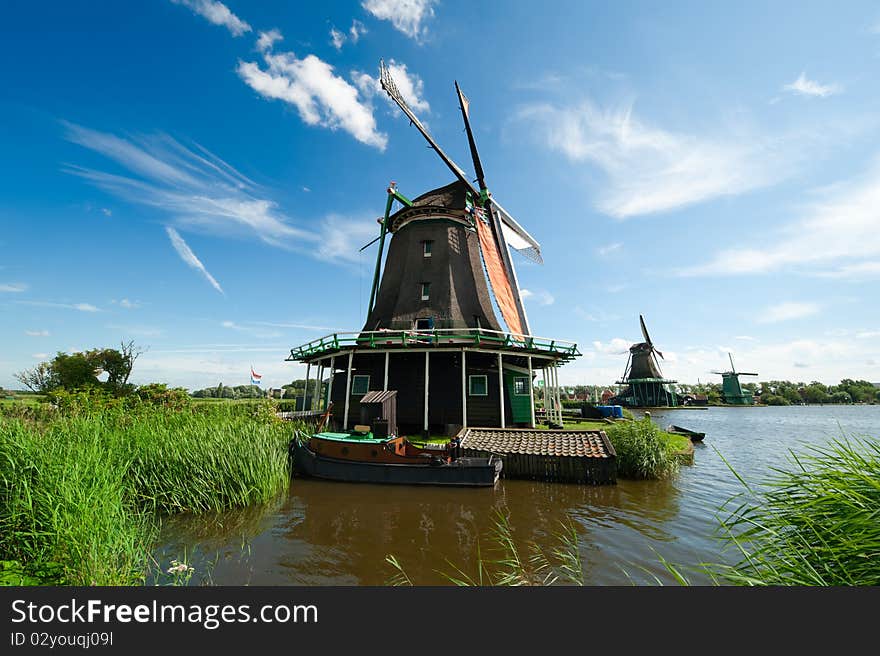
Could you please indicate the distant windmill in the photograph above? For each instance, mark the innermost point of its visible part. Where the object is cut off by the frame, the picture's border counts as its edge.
(731, 389)
(645, 385)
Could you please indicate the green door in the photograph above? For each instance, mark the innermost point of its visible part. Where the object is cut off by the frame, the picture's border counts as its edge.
(517, 384)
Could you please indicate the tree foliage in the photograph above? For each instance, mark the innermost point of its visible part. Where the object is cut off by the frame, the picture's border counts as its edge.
(84, 369)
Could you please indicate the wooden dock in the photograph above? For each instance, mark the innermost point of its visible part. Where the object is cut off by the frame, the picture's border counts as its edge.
(566, 456)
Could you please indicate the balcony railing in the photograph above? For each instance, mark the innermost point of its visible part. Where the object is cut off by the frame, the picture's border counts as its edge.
(434, 337)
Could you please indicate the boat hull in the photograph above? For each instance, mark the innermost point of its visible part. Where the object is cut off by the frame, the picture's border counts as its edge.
(467, 472)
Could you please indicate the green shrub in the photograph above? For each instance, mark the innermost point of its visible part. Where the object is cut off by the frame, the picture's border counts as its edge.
(641, 450)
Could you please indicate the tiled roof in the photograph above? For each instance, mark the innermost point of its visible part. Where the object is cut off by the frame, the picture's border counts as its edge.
(584, 444)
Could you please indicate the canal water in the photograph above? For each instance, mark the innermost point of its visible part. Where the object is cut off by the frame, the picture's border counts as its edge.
(326, 533)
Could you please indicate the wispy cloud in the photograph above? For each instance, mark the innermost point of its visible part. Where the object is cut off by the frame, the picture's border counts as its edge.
(787, 311)
(267, 39)
(194, 186)
(746, 338)
(320, 96)
(80, 307)
(40, 356)
(255, 331)
(806, 87)
(650, 169)
(407, 16)
(13, 287)
(617, 346)
(609, 248)
(186, 254)
(539, 296)
(216, 13)
(128, 305)
(410, 85)
(339, 38)
(137, 330)
(837, 231)
(36, 333)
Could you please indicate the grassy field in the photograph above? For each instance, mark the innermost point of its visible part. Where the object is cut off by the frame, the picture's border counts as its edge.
(83, 492)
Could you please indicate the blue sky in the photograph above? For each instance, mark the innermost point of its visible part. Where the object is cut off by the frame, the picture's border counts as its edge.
(198, 176)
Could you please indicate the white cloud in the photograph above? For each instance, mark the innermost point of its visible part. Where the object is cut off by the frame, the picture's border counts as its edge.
(805, 87)
(37, 333)
(267, 39)
(407, 16)
(320, 97)
(341, 238)
(13, 287)
(787, 311)
(251, 330)
(194, 186)
(138, 330)
(650, 169)
(216, 13)
(617, 346)
(540, 296)
(107, 211)
(40, 356)
(339, 39)
(186, 254)
(868, 334)
(609, 248)
(81, 307)
(410, 85)
(129, 305)
(746, 338)
(838, 231)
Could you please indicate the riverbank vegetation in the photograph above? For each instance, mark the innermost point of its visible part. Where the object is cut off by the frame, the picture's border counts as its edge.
(84, 484)
(813, 523)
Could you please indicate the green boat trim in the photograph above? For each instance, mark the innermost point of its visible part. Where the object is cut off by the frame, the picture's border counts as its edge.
(353, 436)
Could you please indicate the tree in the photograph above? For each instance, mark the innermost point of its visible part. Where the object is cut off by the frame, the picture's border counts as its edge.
(39, 379)
(80, 370)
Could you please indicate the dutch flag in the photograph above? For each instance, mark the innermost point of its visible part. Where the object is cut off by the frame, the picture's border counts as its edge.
(255, 377)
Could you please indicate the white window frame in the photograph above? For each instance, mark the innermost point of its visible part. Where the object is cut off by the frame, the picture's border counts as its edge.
(526, 392)
(471, 385)
(425, 288)
(427, 247)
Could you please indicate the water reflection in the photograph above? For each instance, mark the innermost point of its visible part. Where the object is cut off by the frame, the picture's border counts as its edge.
(325, 533)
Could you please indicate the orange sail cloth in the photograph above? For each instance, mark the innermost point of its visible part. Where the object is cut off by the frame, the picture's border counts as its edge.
(497, 275)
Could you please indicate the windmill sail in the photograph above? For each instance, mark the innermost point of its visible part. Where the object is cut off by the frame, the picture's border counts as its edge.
(493, 225)
(502, 288)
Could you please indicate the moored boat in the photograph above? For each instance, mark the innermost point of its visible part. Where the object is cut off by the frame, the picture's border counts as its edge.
(360, 456)
(679, 430)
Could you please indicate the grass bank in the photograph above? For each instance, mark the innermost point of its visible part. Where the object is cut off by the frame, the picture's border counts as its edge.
(84, 490)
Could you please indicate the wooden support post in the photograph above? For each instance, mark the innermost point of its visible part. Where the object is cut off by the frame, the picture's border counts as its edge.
(558, 394)
(501, 387)
(463, 388)
(306, 389)
(546, 405)
(316, 397)
(330, 384)
(385, 384)
(347, 390)
(427, 372)
(531, 395)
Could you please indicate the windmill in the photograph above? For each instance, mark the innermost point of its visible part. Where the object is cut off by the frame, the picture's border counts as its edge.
(731, 389)
(645, 385)
(431, 331)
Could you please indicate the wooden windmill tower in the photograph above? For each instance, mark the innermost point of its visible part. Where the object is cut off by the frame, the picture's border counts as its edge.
(731, 389)
(431, 332)
(645, 385)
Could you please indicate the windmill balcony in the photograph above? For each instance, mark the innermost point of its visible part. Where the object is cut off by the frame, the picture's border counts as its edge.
(562, 350)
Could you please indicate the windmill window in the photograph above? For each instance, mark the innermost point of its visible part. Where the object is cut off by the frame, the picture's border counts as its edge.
(521, 386)
(478, 386)
(360, 385)
(426, 291)
(425, 324)
(427, 245)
